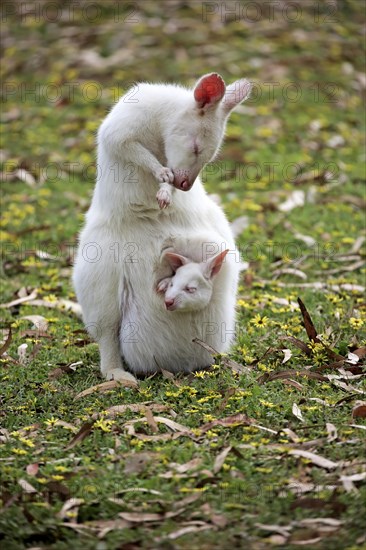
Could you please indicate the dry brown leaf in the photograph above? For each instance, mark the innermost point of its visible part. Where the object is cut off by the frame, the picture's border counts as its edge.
(7, 343)
(103, 526)
(66, 425)
(136, 490)
(4, 435)
(61, 304)
(151, 420)
(20, 300)
(188, 529)
(283, 530)
(332, 432)
(25, 177)
(179, 429)
(133, 407)
(291, 434)
(226, 361)
(360, 352)
(287, 355)
(312, 539)
(22, 353)
(298, 343)
(171, 424)
(233, 420)
(289, 271)
(106, 386)
(332, 522)
(38, 321)
(167, 374)
(63, 369)
(136, 463)
(70, 504)
(296, 411)
(296, 198)
(32, 469)
(359, 410)
(315, 459)
(84, 431)
(183, 468)
(309, 325)
(276, 540)
(286, 374)
(344, 386)
(26, 486)
(142, 517)
(220, 459)
(348, 481)
(293, 383)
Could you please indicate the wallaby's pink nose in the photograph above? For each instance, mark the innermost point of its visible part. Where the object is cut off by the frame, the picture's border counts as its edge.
(169, 303)
(182, 180)
(185, 185)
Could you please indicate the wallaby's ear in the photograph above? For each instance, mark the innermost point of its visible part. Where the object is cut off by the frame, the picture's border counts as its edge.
(213, 265)
(236, 93)
(175, 260)
(209, 90)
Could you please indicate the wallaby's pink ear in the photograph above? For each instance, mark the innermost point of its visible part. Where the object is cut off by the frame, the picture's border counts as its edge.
(175, 260)
(213, 265)
(209, 90)
(236, 93)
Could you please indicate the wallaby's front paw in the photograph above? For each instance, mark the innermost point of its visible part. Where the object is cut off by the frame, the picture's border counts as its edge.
(126, 378)
(163, 284)
(164, 175)
(164, 196)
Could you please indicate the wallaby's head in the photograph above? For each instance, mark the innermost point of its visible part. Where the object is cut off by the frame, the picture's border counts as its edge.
(190, 288)
(195, 130)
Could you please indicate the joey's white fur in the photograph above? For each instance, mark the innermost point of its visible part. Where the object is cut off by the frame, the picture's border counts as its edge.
(151, 148)
(191, 286)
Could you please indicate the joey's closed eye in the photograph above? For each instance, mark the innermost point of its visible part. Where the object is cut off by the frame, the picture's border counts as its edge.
(190, 289)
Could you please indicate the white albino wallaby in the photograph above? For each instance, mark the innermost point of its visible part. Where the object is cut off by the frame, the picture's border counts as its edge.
(191, 285)
(151, 148)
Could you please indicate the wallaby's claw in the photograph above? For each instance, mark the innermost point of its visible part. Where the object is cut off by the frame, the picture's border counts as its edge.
(164, 197)
(126, 378)
(165, 175)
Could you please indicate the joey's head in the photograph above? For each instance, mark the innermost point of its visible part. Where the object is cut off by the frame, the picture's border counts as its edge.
(195, 131)
(190, 288)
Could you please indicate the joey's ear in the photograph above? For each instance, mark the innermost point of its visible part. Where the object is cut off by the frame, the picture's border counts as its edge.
(209, 90)
(213, 265)
(175, 260)
(236, 93)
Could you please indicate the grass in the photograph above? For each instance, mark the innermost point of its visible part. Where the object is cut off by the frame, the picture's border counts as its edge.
(275, 145)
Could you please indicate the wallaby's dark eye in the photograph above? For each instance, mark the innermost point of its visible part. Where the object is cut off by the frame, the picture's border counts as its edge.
(190, 289)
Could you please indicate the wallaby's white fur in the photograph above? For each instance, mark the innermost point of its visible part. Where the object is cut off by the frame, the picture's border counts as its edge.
(158, 136)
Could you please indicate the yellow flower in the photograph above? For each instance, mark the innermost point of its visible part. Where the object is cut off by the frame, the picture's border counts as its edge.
(267, 403)
(356, 323)
(104, 425)
(200, 374)
(19, 451)
(51, 421)
(259, 321)
(26, 442)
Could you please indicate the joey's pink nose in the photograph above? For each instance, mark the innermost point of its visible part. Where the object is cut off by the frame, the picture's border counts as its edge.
(169, 304)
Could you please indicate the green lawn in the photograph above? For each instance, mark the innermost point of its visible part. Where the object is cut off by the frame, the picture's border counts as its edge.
(217, 459)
